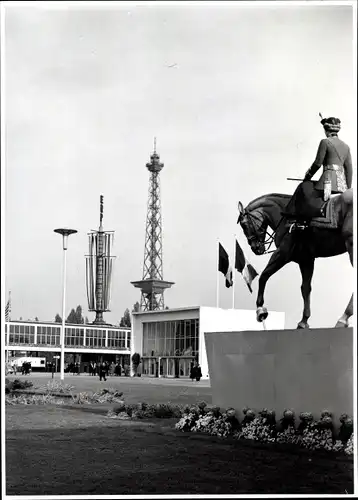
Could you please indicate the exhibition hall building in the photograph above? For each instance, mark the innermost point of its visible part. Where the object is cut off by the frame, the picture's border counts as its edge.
(84, 343)
(169, 340)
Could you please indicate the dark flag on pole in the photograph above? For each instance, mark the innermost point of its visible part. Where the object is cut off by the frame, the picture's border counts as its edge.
(224, 266)
(244, 267)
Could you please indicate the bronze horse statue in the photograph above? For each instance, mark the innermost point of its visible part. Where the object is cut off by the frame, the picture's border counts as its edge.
(302, 247)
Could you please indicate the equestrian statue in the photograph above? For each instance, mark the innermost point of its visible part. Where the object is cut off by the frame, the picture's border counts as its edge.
(317, 221)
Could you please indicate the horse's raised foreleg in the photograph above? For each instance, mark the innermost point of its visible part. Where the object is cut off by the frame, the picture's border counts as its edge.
(306, 267)
(276, 262)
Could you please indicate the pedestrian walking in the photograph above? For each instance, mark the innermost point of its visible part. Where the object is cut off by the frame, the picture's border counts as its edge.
(198, 373)
(102, 372)
(192, 371)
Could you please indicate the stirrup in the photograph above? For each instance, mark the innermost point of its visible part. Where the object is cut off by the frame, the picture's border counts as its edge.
(296, 226)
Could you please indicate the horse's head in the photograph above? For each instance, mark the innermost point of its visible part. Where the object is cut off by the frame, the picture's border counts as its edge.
(254, 227)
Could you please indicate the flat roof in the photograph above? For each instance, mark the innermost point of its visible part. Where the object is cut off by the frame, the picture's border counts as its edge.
(77, 325)
(161, 311)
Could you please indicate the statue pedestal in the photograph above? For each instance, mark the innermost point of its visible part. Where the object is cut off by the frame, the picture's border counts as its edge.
(305, 370)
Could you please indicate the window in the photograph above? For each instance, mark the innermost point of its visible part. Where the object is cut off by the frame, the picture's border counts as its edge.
(22, 334)
(49, 335)
(95, 337)
(171, 338)
(74, 336)
(117, 339)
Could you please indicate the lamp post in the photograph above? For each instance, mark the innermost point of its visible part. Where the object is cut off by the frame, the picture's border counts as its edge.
(65, 234)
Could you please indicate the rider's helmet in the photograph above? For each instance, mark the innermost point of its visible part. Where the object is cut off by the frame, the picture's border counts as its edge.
(331, 124)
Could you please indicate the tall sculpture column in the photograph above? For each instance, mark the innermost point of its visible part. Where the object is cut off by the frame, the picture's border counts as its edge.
(99, 266)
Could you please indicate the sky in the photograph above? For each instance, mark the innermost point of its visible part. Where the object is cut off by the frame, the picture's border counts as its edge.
(232, 94)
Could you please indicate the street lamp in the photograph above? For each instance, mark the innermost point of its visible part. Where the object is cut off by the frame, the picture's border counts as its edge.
(65, 234)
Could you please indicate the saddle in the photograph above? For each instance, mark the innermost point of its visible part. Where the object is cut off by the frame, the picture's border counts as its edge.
(307, 209)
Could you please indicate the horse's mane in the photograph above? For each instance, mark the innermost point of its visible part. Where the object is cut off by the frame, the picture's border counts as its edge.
(268, 197)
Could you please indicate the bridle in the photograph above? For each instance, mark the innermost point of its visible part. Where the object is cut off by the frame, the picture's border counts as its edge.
(255, 230)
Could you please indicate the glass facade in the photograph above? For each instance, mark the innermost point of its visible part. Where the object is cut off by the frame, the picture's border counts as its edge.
(116, 339)
(171, 338)
(76, 336)
(95, 337)
(21, 334)
(49, 335)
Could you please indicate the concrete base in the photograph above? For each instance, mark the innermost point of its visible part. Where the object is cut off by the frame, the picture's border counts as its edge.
(304, 370)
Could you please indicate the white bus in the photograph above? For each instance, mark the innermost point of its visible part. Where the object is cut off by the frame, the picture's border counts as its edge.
(38, 364)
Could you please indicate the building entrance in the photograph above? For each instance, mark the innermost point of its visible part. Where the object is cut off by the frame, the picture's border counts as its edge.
(168, 366)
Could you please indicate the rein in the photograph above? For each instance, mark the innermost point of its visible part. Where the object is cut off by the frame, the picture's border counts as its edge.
(271, 237)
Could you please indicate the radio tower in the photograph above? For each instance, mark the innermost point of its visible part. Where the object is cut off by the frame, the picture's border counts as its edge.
(152, 285)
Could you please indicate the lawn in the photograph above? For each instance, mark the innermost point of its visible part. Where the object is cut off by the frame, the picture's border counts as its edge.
(134, 389)
(54, 450)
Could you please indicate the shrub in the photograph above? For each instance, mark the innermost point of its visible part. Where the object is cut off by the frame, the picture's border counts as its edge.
(13, 385)
(108, 395)
(56, 387)
(310, 434)
(32, 399)
(346, 429)
(144, 410)
(287, 421)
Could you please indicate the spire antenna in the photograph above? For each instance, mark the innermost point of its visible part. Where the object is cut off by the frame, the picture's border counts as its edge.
(155, 144)
(101, 209)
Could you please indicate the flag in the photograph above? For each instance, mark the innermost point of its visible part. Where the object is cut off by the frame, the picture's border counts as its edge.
(244, 267)
(8, 309)
(224, 266)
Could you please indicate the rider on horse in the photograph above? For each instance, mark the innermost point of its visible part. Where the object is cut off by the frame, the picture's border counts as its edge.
(335, 156)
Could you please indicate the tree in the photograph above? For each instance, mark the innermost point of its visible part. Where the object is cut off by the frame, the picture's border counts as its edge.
(75, 316)
(79, 317)
(135, 363)
(58, 318)
(136, 307)
(36, 318)
(71, 318)
(86, 320)
(126, 319)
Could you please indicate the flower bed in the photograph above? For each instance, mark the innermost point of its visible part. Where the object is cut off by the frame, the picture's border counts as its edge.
(145, 410)
(263, 427)
(54, 393)
(32, 399)
(103, 396)
(16, 384)
(56, 387)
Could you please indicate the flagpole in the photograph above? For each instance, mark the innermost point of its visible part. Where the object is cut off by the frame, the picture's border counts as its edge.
(233, 274)
(8, 319)
(217, 273)
(9, 301)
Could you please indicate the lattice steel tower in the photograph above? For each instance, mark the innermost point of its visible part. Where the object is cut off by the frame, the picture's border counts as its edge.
(152, 285)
